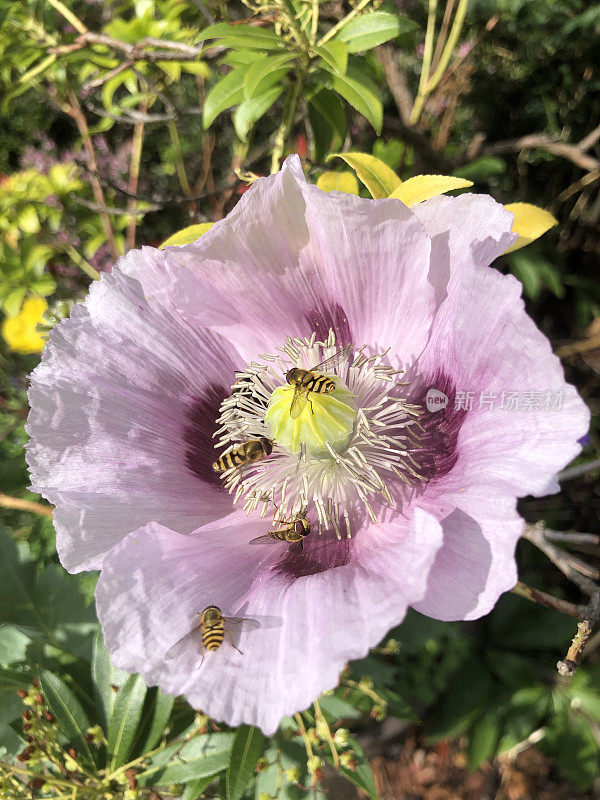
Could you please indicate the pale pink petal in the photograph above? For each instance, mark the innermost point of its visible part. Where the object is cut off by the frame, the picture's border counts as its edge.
(123, 405)
(476, 562)
(154, 583)
(466, 232)
(485, 341)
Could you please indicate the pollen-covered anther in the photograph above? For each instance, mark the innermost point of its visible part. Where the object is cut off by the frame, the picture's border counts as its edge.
(343, 449)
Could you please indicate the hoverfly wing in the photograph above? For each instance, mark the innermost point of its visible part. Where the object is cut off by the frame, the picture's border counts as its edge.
(249, 623)
(261, 539)
(299, 401)
(192, 637)
(333, 361)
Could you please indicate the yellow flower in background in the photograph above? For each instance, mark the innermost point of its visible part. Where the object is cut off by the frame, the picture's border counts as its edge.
(20, 333)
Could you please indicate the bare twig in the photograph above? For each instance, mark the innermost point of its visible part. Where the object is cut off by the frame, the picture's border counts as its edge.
(547, 600)
(134, 174)
(74, 110)
(582, 346)
(18, 504)
(396, 80)
(564, 561)
(572, 152)
(171, 51)
(577, 472)
(566, 668)
(572, 538)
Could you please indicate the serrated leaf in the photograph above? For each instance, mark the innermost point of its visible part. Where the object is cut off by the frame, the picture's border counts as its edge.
(335, 54)
(247, 748)
(338, 182)
(187, 235)
(424, 187)
(203, 756)
(125, 718)
(261, 75)
(369, 30)
(163, 705)
(358, 90)
(71, 717)
(530, 223)
(242, 36)
(250, 111)
(379, 179)
(229, 91)
(328, 122)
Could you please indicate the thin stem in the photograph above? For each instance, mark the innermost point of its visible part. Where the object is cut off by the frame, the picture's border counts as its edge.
(137, 142)
(68, 15)
(179, 165)
(426, 65)
(338, 27)
(443, 32)
(74, 110)
(564, 562)
(567, 667)
(334, 753)
(304, 735)
(83, 265)
(578, 470)
(314, 21)
(18, 504)
(289, 113)
(450, 45)
(546, 600)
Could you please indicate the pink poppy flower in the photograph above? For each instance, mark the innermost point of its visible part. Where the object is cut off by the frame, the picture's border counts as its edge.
(453, 402)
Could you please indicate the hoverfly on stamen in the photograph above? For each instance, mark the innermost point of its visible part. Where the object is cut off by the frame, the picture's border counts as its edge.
(245, 453)
(306, 381)
(293, 531)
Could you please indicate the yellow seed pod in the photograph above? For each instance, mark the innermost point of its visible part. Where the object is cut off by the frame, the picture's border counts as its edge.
(326, 418)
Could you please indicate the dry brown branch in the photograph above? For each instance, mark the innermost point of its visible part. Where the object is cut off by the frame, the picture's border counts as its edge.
(566, 563)
(547, 600)
(573, 152)
(171, 51)
(396, 80)
(582, 346)
(74, 111)
(18, 504)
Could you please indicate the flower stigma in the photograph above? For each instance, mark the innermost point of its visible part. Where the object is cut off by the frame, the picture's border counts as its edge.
(341, 454)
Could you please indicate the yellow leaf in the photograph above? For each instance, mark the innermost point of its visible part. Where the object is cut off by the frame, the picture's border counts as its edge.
(424, 187)
(338, 182)
(530, 223)
(187, 235)
(379, 179)
(19, 332)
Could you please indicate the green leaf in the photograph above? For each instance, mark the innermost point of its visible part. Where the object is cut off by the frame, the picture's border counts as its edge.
(71, 717)
(483, 739)
(187, 235)
(328, 122)
(229, 91)
(203, 756)
(104, 677)
(335, 54)
(358, 90)
(261, 75)
(163, 705)
(247, 748)
(361, 775)
(125, 718)
(482, 168)
(369, 30)
(242, 37)
(379, 179)
(193, 789)
(465, 697)
(250, 111)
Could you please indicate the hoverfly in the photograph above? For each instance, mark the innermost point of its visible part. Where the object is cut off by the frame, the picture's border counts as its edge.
(305, 381)
(212, 632)
(293, 531)
(245, 453)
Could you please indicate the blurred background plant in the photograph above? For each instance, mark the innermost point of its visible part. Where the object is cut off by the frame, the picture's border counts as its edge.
(124, 121)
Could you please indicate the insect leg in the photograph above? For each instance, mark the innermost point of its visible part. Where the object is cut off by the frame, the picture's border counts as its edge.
(232, 644)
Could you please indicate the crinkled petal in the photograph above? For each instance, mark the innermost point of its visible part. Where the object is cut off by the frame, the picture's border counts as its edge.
(483, 338)
(156, 581)
(117, 421)
(466, 232)
(476, 562)
(292, 259)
